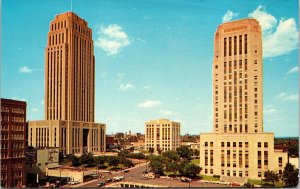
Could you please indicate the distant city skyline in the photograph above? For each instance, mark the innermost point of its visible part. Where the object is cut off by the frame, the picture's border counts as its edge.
(154, 59)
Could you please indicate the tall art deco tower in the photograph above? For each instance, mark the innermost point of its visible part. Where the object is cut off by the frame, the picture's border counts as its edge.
(69, 70)
(69, 90)
(238, 147)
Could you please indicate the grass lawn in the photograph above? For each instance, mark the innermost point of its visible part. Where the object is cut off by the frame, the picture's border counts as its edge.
(196, 161)
(207, 177)
(258, 182)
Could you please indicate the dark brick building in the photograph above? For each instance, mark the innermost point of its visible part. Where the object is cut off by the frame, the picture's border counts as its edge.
(13, 143)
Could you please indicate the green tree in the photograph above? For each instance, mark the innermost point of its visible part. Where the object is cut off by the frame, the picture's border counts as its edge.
(196, 153)
(100, 160)
(87, 158)
(75, 161)
(191, 170)
(171, 160)
(156, 167)
(184, 152)
(290, 175)
(271, 176)
(126, 162)
(293, 150)
(157, 164)
(113, 161)
(170, 155)
(181, 166)
(123, 153)
(151, 150)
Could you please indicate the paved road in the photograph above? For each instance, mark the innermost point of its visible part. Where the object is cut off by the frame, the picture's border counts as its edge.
(134, 176)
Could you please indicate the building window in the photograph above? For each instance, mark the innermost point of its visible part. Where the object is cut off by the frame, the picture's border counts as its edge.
(280, 161)
(245, 44)
(229, 46)
(228, 144)
(265, 144)
(240, 44)
(259, 144)
(225, 47)
(259, 174)
(206, 143)
(222, 144)
(235, 45)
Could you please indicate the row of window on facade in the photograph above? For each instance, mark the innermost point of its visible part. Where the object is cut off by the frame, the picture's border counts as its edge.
(4, 136)
(17, 119)
(14, 127)
(14, 154)
(234, 144)
(228, 172)
(15, 145)
(16, 165)
(234, 49)
(13, 110)
(64, 24)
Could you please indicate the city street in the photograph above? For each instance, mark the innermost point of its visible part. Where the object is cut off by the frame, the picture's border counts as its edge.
(134, 175)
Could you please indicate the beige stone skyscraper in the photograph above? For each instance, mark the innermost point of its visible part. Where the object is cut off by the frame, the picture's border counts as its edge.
(69, 70)
(69, 90)
(238, 147)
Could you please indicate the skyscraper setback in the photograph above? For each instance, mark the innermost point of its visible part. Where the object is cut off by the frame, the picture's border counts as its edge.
(69, 90)
(69, 70)
(238, 147)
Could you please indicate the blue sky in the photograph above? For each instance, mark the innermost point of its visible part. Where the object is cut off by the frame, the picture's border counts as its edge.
(154, 58)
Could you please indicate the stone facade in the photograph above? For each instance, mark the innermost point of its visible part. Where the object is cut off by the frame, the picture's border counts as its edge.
(69, 90)
(162, 135)
(238, 147)
(71, 137)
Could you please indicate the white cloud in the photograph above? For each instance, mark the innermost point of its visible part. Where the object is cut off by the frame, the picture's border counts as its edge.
(229, 16)
(112, 39)
(269, 110)
(35, 110)
(25, 69)
(266, 20)
(146, 87)
(293, 70)
(126, 87)
(167, 113)
(287, 97)
(149, 104)
(278, 38)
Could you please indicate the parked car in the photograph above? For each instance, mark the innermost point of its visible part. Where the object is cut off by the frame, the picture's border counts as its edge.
(118, 178)
(105, 171)
(101, 184)
(108, 180)
(150, 175)
(126, 171)
(185, 179)
(73, 182)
